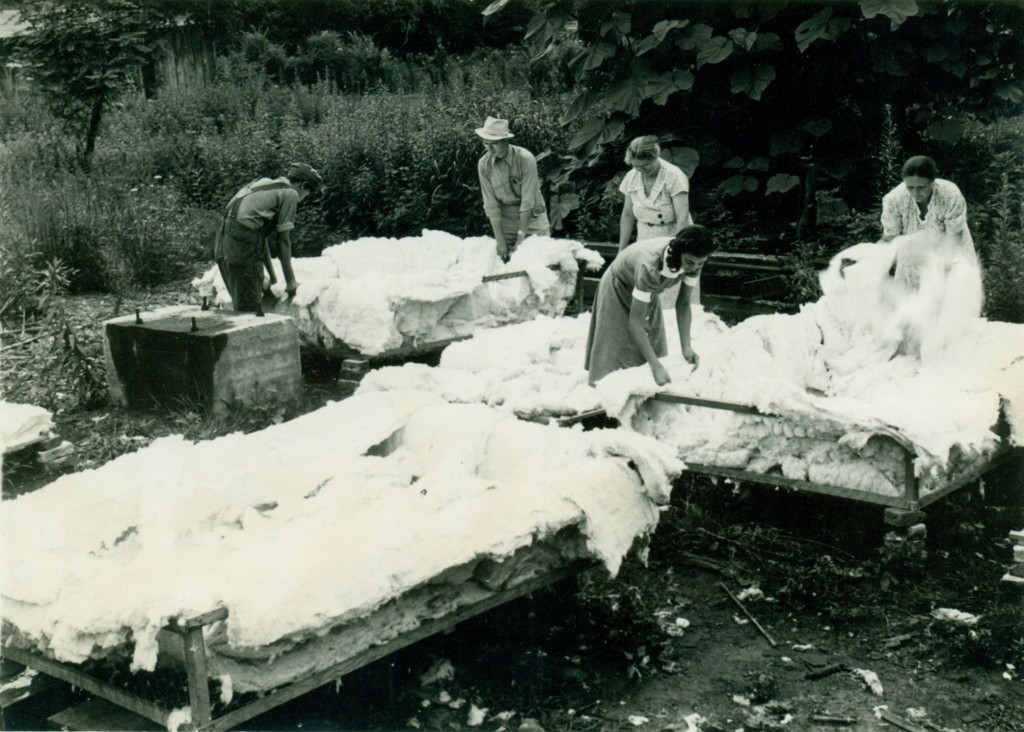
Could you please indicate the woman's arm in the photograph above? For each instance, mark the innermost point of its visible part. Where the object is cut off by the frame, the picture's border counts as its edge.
(892, 224)
(684, 316)
(626, 222)
(681, 206)
(638, 332)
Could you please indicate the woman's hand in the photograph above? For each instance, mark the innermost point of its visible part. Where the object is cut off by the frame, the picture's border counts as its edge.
(691, 356)
(661, 376)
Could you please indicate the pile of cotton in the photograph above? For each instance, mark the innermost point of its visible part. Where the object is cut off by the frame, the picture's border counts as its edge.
(378, 294)
(21, 425)
(349, 525)
(533, 370)
(893, 358)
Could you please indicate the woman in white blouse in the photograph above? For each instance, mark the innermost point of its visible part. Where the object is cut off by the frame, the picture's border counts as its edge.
(656, 199)
(656, 194)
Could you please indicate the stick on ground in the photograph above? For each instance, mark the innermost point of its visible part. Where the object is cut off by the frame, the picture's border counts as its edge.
(747, 613)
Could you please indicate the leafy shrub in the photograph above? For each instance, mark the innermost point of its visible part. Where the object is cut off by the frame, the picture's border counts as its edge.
(990, 171)
(110, 235)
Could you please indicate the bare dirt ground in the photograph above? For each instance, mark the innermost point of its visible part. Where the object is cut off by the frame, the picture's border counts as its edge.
(662, 647)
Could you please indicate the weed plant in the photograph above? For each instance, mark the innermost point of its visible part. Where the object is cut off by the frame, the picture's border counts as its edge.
(991, 174)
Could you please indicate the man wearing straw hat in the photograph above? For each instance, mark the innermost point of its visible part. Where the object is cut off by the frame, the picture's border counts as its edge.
(510, 187)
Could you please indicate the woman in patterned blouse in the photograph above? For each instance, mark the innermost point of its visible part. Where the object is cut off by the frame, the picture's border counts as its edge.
(656, 200)
(925, 202)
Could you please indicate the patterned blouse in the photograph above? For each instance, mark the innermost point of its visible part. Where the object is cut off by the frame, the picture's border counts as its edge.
(947, 211)
(655, 209)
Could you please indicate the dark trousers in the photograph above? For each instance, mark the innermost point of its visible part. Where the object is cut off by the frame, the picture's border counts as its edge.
(245, 284)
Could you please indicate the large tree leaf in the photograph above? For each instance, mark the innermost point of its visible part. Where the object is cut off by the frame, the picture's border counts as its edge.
(780, 183)
(786, 142)
(715, 50)
(597, 131)
(695, 37)
(888, 60)
(738, 184)
(767, 42)
(817, 127)
(625, 96)
(752, 80)
(759, 163)
(621, 23)
(658, 35)
(896, 11)
(822, 26)
(494, 7)
(540, 30)
(612, 131)
(945, 130)
(686, 158)
(587, 133)
(580, 104)
(563, 205)
(1011, 92)
(660, 87)
(589, 58)
(743, 38)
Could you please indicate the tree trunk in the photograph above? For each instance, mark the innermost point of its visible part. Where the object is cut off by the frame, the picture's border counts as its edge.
(94, 129)
(808, 222)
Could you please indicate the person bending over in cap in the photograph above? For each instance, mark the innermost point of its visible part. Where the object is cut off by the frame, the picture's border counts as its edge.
(627, 328)
(261, 208)
(510, 187)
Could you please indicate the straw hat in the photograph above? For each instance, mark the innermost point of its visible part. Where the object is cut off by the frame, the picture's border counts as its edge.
(495, 129)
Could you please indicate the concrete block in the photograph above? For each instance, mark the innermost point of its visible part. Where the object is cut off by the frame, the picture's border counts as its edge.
(185, 357)
(64, 450)
(902, 517)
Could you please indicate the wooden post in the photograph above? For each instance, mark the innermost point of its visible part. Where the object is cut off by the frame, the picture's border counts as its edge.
(911, 484)
(195, 668)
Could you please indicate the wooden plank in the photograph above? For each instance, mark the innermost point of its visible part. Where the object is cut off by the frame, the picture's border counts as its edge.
(997, 459)
(75, 677)
(198, 681)
(180, 624)
(100, 714)
(711, 403)
(9, 668)
(799, 485)
(580, 417)
(287, 693)
(26, 684)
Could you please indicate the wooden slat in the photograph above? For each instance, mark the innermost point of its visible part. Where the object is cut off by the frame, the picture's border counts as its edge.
(9, 668)
(100, 714)
(711, 403)
(75, 677)
(180, 624)
(287, 693)
(997, 459)
(580, 417)
(198, 681)
(800, 485)
(26, 684)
